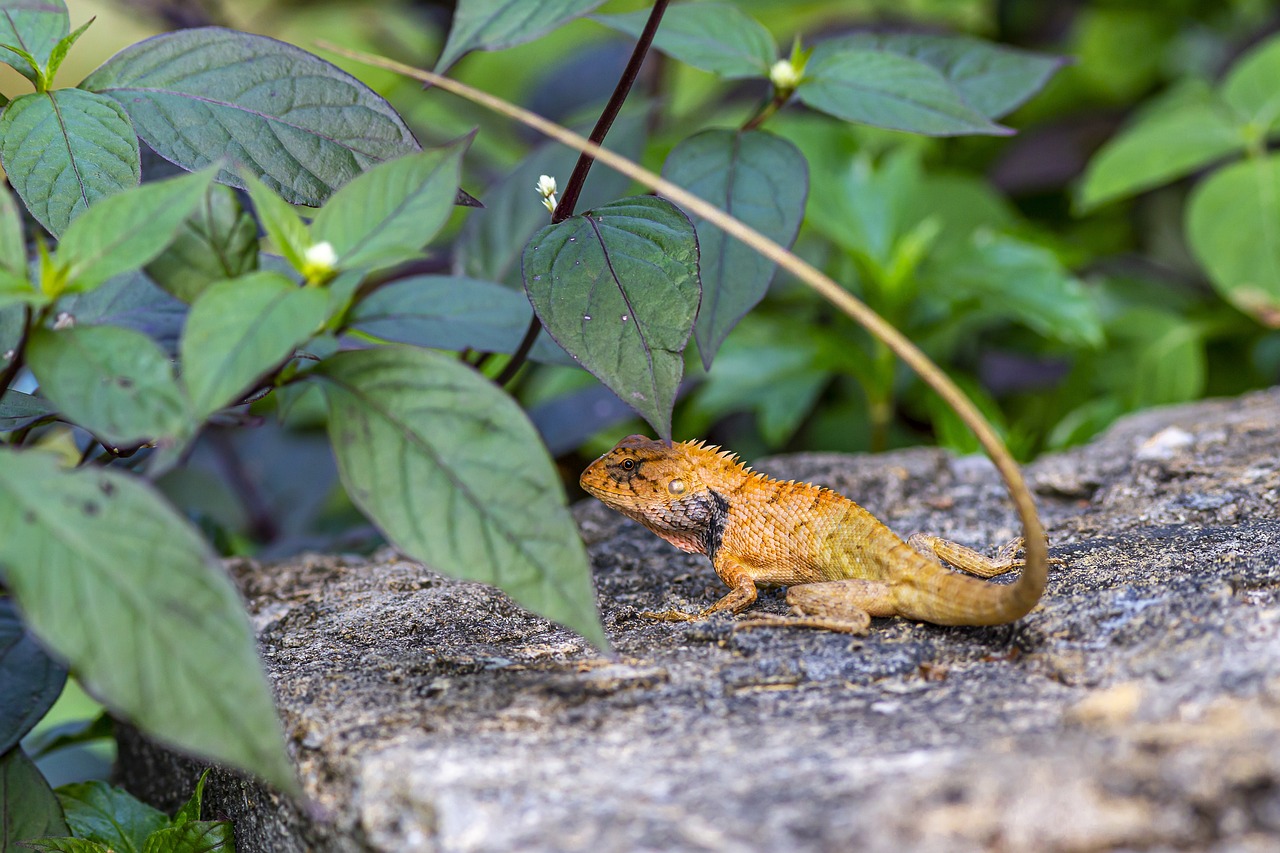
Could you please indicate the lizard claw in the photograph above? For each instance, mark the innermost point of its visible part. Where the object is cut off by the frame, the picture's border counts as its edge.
(669, 615)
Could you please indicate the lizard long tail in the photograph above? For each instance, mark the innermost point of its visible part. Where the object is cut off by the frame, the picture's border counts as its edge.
(934, 594)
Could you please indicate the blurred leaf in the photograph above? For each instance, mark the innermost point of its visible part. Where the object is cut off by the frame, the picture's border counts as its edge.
(495, 24)
(218, 241)
(13, 248)
(889, 90)
(64, 150)
(774, 366)
(387, 214)
(454, 313)
(1233, 226)
(1250, 87)
(169, 646)
(202, 836)
(18, 410)
(125, 231)
(36, 26)
(114, 382)
(617, 287)
(109, 816)
(491, 241)
(285, 228)
(73, 733)
(866, 206)
(762, 180)
(68, 845)
(29, 807)
(1005, 276)
(32, 680)
(950, 431)
(993, 79)
(132, 301)
(240, 329)
(716, 37)
(1184, 131)
(209, 95)
(453, 473)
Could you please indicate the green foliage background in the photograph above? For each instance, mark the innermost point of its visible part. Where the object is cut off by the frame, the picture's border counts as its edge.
(1071, 207)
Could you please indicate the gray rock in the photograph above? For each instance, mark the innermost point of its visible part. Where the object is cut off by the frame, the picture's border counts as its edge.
(1137, 708)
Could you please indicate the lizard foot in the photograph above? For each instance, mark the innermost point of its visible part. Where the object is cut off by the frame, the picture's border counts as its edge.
(769, 620)
(669, 615)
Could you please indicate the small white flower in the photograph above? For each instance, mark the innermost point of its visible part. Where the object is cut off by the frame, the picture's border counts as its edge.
(546, 186)
(321, 256)
(64, 320)
(784, 76)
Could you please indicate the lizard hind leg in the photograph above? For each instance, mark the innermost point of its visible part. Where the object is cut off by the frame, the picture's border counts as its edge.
(967, 559)
(845, 605)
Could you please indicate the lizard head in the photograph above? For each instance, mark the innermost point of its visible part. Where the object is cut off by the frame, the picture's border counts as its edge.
(656, 484)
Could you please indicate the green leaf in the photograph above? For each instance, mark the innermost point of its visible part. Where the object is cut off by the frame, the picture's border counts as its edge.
(202, 836)
(288, 233)
(889, 90)
(389, 213)
(617, 287)
(61, 49)
(13, 248)
(32, 680)
(453, 313)
(1233, 226)
(451, 470)
(36, 27)
(866, 206)
(495, 24)
(18, 410)
(216, 242)
(133, 301)
(165, 642)
(991, 78)
(1008, 277)
(207, 95)
(110, 816)
(761, 179)
(1180, 133)
(492, 239)
(114, 382)
(67, 845)
(1170, 364)
(72, 733)
(66, 149)
(30, 809)
(240, 329)
(1250, 87)
(190, 810)
(716, 37)
(124, 232)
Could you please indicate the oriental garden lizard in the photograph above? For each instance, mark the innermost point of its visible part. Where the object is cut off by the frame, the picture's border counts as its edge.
(840, 564)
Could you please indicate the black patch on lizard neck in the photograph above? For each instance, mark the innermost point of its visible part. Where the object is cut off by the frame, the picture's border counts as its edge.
(713, 531)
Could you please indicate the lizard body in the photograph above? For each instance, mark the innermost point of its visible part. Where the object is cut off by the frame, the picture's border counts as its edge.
(840, 563)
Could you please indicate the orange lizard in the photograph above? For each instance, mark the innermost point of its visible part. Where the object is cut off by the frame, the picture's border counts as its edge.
(840, 564)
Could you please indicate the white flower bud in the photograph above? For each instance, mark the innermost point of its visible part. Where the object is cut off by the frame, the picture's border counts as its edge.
(784, 76)
(320, 256)
(546, 186)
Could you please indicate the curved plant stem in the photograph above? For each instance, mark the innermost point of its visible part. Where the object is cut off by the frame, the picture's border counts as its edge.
(1032, 529)
(573, 189)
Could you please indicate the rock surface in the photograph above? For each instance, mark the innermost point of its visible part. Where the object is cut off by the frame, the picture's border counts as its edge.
(1137, 708)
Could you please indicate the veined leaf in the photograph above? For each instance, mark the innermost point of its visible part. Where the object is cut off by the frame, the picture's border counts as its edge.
(34, 26)
(761, 179)
(451, 470)
(109, 816)
(168, 645)
(716, 37)
(207, 95)
(66, 149)
(240, 329)
(495, 24)
(26, 800)
(617, 287)
(217, 242)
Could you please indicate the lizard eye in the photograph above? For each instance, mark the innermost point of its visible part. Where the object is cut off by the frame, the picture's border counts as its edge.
(676, 487)
(628, 464)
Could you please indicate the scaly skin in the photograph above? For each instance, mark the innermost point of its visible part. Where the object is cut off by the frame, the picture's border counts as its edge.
(841, 565)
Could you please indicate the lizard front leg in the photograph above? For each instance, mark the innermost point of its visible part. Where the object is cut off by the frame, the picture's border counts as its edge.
(742, 593)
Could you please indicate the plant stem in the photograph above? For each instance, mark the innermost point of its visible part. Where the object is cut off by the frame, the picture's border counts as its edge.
(573, 189)
(767, 109)
(1037, 550)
